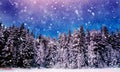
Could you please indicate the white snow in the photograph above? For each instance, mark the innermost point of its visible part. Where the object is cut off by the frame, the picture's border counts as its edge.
(93, 13)
(76, 11)
(63, 70)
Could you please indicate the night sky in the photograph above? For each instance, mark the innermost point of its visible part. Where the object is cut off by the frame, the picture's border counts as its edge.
(50, 17)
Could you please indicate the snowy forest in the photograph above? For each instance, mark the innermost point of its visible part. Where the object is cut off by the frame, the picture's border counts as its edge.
(75, 50)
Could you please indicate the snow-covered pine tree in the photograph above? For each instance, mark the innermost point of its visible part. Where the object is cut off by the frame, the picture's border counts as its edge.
(69, 47)
(52, 53)
(18, 48)
(15, 41)
(7, 50)
(25, 52)
(19, 44)
(63, 51)
(92, 53)
(46, 60)
(12, 41)
(115, 50)
(83, 49)
(29, 51)
(87, 43)
(106, 46)
(2, 45)
(39, 52)
(2, 42)
(59, 57)
(74, 50)
(118, 48)
(100, 50)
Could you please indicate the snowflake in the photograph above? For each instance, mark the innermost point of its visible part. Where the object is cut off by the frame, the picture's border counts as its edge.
(117, 2)
(76, 12)
(16, 4)
(25, 24)
(63, 17)
(89, 10)
(51, 24)
(0, 3)
(62, 5)
(93, 14)
(50, 27)
(31, 18)
(58, 31)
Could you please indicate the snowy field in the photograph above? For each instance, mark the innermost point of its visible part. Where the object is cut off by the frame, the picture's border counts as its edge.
(62, 70)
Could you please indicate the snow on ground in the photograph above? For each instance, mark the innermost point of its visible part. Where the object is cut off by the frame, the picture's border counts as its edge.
(62, 70)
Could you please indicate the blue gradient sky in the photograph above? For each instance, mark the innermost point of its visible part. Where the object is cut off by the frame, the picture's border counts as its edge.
(50, 17)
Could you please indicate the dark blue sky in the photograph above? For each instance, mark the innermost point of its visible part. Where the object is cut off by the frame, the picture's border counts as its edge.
(50, 17)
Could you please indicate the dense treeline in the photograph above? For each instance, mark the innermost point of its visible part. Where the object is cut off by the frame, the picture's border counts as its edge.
(91, 49)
